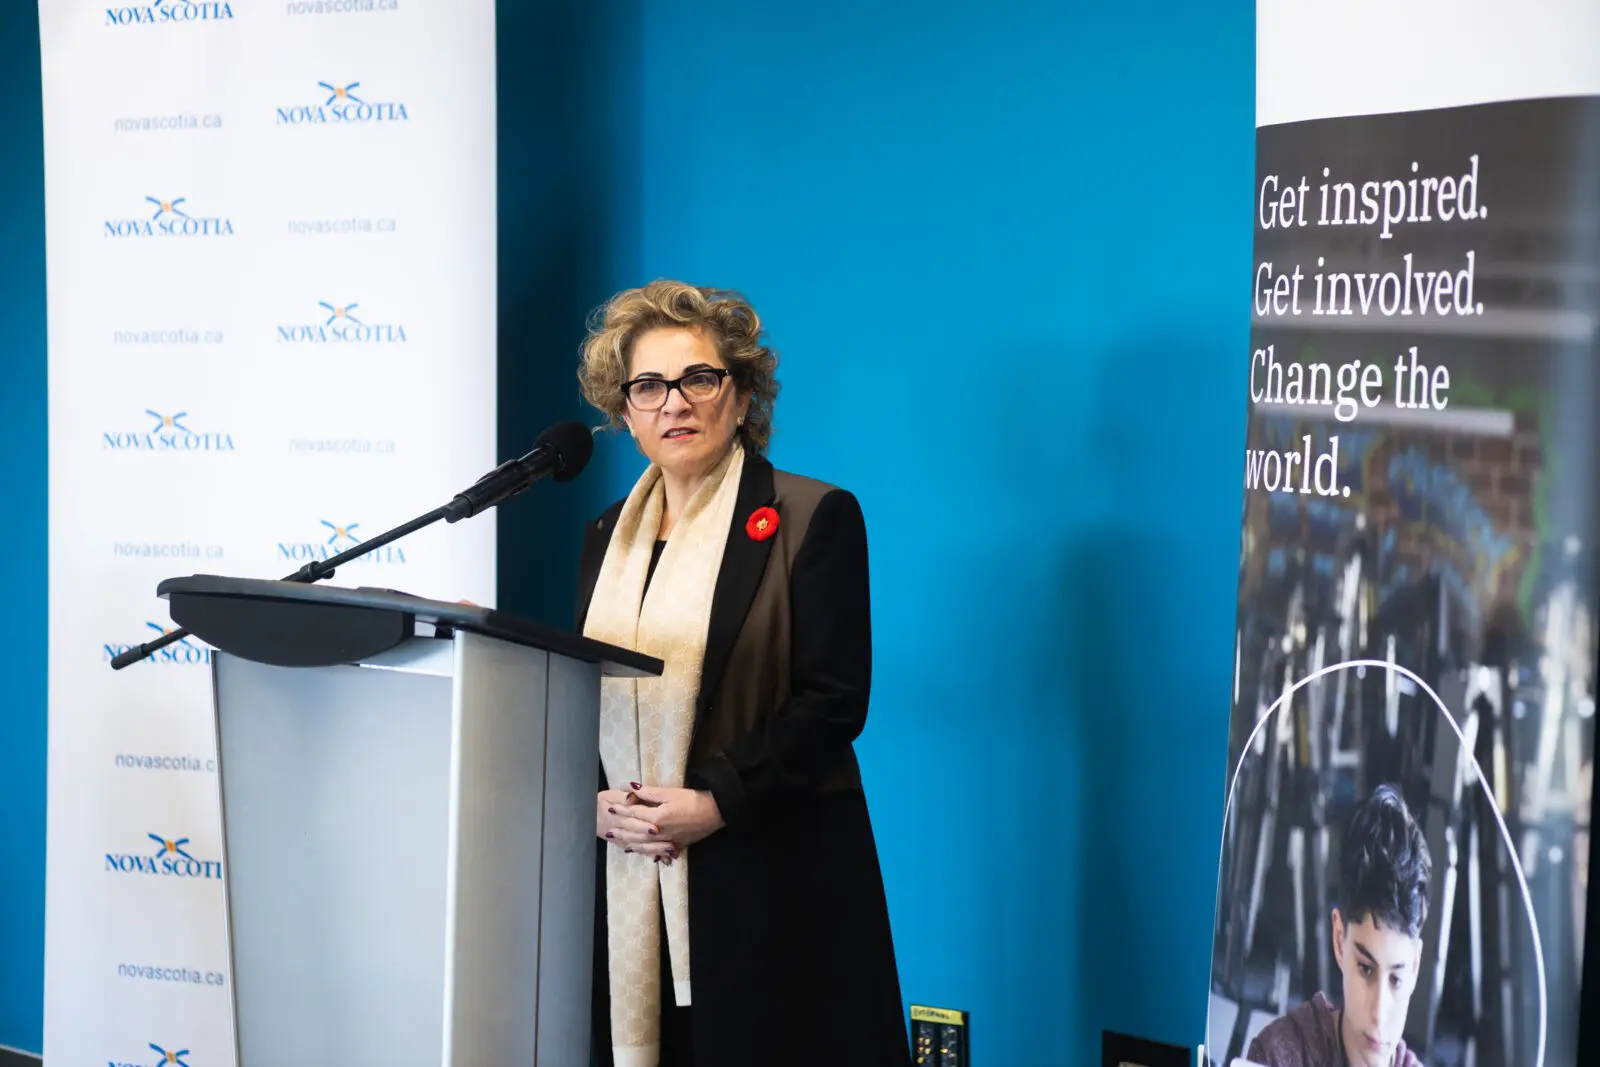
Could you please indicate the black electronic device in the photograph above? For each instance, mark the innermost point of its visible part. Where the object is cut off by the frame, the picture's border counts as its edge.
(939, 1037)
(1125, 1050)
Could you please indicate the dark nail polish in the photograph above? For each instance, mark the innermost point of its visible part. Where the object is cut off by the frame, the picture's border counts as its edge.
(612, 810)
(652, 829)
(609, 834)
(635, 785)
(629, 849)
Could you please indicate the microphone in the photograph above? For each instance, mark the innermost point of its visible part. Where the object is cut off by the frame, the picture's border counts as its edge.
(561, 452)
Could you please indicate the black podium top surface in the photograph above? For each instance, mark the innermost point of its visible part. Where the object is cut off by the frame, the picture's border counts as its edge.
(310, 625)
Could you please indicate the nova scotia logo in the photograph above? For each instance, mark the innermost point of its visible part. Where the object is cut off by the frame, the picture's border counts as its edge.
(167, 207)
(168, 11)
(173, 857)
(342, 105)
(165, 433)
(340, 324)
(342, 538)
(169, 1058)
(181, 653)
(333, 539)
(170, 219)
(340, 314)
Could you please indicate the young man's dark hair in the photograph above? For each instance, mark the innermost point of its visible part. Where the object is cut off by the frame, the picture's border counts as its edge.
(1384, 866)
(1381, 904)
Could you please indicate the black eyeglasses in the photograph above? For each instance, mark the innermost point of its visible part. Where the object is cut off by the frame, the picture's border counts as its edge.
(698, 386)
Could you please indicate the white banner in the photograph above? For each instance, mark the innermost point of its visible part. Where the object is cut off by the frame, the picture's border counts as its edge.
(1403, 869)
(271, 270)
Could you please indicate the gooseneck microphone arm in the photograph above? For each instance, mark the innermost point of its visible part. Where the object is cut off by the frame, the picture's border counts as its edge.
(562, 452)
(315, 571)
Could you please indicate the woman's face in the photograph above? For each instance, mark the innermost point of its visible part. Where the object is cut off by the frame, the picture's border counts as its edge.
(685, 428)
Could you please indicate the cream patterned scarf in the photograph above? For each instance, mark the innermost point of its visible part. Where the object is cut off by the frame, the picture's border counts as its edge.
(646, 723)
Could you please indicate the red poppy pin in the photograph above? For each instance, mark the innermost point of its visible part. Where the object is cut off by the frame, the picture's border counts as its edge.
(762, 524)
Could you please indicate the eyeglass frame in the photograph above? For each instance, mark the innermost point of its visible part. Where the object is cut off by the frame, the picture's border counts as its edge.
(722, 375)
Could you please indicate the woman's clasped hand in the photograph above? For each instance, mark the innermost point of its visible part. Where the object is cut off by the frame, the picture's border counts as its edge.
(655, 822)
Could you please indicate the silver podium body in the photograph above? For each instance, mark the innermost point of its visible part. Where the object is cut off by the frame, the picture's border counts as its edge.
(407, 825)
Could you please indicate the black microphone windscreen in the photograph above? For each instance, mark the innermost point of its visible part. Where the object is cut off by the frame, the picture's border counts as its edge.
(574, 443)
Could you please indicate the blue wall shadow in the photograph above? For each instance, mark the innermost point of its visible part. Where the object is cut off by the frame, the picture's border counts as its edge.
(24, 477)
(1003, 252)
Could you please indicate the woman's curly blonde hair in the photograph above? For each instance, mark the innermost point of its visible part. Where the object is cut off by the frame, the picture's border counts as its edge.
(722, 315)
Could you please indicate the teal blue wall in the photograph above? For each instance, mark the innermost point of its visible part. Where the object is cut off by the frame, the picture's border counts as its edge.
(565, 79)
(22, 530)
(1002, 254)
(1003, 250)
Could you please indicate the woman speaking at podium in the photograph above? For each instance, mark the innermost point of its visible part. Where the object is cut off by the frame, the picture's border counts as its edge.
(740, 917)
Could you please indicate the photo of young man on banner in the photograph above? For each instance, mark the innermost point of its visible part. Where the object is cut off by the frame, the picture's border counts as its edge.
(1381, 905)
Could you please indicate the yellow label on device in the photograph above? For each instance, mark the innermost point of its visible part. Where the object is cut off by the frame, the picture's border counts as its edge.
(936, 1015)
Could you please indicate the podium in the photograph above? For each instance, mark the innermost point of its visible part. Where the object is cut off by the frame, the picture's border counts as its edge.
(407, 797)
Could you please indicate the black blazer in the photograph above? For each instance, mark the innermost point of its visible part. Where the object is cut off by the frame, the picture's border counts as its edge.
(789, 928)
